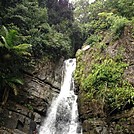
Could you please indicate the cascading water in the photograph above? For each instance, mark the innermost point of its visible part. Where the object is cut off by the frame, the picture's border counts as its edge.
(63, 114)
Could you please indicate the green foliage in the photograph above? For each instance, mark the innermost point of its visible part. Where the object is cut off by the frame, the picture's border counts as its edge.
(47, 25)
(120, 95)
(21, 49)
(9, 82)
(122, 8)
(86, 12)
(99, 76)
(51, 43)
(86, 15)
(117, 23)
(59, 11)
(118, 14)
(14, 58)
(49, 35)
(58, 43)
(105, 82)
(107, 73)
(9, 42)
(26, 16)
(79, 74)
(91, 40)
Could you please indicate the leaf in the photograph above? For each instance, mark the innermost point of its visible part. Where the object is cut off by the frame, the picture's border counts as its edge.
(22, 47)
(16, 80)
(4, 31)
(24, 53)
(11, 37)
(4, 42)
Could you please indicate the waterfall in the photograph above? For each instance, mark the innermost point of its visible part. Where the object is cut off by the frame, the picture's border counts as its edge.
(62, 116)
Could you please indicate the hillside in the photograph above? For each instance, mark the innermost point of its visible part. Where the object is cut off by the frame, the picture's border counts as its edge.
(36, 36)
(105, 68)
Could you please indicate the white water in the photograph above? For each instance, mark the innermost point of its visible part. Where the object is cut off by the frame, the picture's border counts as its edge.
(63, 114)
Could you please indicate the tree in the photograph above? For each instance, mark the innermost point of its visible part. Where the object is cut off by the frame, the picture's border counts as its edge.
(121, 7)
(35, 22)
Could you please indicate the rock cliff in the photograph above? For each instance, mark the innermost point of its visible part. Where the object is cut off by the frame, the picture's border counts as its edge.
(105, 79)
(22, 114)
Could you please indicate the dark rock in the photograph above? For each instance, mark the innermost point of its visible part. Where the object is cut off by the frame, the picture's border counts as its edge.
(4, 130)
(14, 116)
(22, 114)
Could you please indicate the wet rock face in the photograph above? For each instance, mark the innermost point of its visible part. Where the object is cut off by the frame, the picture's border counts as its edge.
(42, 85)
(89, 109)
(50, 72)
(22, 114)
(14, 116)
(92, 116)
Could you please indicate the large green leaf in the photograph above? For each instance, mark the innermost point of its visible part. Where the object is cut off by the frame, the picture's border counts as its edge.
(11, 37)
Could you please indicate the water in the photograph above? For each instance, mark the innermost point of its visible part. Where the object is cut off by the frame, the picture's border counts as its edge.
(63, 114)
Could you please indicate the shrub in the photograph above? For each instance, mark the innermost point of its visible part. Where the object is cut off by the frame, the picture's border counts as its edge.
(105, 82)
(117, 23)
(91, 40)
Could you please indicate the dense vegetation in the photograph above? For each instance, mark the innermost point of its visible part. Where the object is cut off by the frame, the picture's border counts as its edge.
(30, 30)
(100, 74)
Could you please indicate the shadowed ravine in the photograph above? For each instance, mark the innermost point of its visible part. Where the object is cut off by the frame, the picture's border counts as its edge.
(63, 114)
